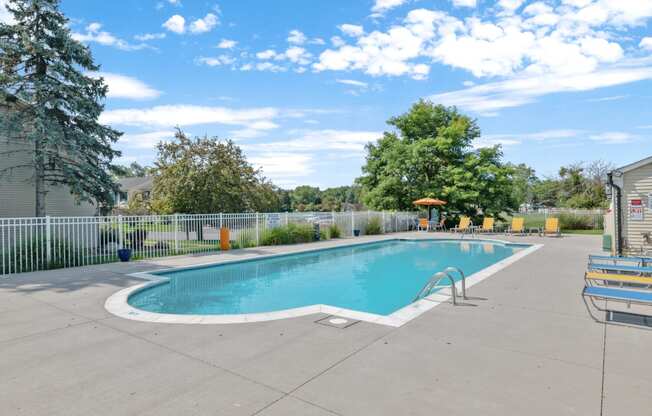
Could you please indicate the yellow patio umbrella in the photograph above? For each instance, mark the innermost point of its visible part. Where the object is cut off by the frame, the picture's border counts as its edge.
(429, 202)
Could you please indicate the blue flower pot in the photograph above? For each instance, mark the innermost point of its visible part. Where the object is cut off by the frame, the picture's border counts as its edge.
(356, 233)
(124, 254)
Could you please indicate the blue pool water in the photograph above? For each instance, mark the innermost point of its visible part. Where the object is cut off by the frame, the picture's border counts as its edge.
(378, 278)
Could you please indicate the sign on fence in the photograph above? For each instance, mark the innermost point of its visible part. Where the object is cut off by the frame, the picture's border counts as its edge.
(273, 220)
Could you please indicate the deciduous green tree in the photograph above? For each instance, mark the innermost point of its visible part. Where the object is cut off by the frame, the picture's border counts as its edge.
(524, 180)
(431, 155)
(54, 104)
(206, 175)
(306, 198)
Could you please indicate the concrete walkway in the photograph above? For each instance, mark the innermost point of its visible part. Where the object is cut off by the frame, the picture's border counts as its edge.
(524, 344)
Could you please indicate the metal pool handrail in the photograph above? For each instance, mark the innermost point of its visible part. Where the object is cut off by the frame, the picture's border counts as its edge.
(436, 278)
(461, 273)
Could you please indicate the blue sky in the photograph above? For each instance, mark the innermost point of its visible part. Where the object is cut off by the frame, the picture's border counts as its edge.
(303, 85)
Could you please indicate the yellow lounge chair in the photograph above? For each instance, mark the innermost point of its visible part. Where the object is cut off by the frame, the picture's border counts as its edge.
(487, 225)
(518, 226)
(552, 227)
(423, 224)
(463, 226)
(618, 278)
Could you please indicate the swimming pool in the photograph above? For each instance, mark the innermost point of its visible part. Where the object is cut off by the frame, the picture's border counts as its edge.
(376, 278)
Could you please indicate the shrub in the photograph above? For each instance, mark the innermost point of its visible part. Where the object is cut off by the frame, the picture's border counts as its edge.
(373, 227)
(334, 231)
(107, 236)
(135, 239)
(288, 234)
(579, 222)
(245, 240)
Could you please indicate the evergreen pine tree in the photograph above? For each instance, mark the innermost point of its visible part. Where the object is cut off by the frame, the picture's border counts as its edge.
(54, 103)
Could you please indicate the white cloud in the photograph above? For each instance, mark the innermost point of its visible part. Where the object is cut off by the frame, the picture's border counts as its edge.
(351, 30)
(381, 6)
(149, 36)
(215, 61)
(612, 137)
(488, 141)
(253, 130)
(337, 41)
(610, 98)
(352, 82)
(176, 24)
(517, 138)
(296, 37)
(576, 3)
(269, 66)
(94, 34)
(646, 43)
(510, 5)
(385, 53)
(281, 167)
(464, 3)
(186, 115)
(297, 55)
(227, 44)
(122, 86)
(493, 96)
(523, 39)
(266, 54)
(318, 140)
(5, 16)
(601, 49)
(145, 140)
(205, 24)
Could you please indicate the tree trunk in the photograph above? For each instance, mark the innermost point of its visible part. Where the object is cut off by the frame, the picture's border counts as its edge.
(39, 179)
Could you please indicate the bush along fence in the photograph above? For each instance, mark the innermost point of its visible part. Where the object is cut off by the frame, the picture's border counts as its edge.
(31, 244)
(569, 219)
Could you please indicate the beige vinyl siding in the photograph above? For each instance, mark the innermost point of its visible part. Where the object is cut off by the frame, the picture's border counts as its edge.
(637, 185)
(17, 193)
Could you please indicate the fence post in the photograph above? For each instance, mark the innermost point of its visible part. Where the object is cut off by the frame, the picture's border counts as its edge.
(176, 233)
(257, 232)
(286, 218)
(120, 236)
(221, 220)
(352, 223)
(48, 240)
(383, 222)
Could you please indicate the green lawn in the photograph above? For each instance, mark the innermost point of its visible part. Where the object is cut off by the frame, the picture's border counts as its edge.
(587, 232)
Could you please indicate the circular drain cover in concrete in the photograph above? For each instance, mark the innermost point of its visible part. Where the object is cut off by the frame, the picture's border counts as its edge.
(336, 322)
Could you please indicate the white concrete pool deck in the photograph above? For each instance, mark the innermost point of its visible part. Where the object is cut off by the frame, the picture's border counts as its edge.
(523, 344)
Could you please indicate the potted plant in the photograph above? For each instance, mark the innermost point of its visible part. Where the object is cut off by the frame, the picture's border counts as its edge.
(124, 254)
(135, 240)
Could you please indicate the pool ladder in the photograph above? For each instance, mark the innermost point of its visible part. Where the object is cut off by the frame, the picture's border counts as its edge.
(434, 281)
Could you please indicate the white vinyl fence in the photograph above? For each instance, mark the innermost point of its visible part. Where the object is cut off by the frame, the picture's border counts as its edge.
(30, 244)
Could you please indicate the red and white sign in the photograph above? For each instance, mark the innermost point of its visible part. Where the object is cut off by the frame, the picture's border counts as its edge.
(636, 210)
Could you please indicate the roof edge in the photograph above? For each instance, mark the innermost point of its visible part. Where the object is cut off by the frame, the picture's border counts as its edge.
(635, 165)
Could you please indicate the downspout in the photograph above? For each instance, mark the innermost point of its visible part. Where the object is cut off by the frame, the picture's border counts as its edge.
(619, 210)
